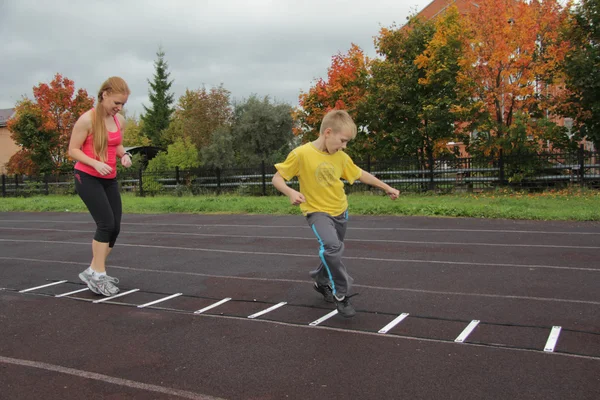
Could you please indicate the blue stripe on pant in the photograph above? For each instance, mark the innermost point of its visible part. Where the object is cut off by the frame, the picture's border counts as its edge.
(330, 232)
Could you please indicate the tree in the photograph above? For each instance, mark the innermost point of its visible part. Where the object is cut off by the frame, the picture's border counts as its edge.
(509, 66)
(219, 153)
(344, 88)
(199, 113)
(156, 118)
(401, 103)
(262, 130)
(42, 126)
(133, 134)
(182, 154)
(582, 66)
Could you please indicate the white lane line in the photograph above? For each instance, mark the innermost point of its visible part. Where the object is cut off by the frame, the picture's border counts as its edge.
(115, 296)
(108, 379)
(354, 228)
(160, 300)
(394, 322)
(73, 292)
(211, 235)
(422, 291)
(323, 318)
(467, 331)
(263, 312)
(304, 255)
(217, 304)
(43, 286)
(552, 339)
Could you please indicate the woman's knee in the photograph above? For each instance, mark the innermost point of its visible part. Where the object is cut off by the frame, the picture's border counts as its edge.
(105, 231)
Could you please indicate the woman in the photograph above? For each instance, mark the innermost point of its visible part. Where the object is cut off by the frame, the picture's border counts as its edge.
(95, 144)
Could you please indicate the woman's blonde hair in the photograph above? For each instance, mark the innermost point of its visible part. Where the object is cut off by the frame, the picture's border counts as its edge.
(338, 120)
(114, 84)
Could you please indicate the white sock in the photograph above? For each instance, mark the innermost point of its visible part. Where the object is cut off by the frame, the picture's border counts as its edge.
(89, 270)
(99, 273)
(339, 298)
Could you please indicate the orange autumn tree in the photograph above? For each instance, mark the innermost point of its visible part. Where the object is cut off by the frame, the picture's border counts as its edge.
(42, 126)
(344, 88)
(510, 74)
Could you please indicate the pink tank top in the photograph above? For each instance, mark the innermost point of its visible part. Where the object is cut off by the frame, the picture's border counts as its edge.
(114, 140)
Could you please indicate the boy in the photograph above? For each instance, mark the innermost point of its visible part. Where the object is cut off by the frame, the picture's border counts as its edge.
(319, 166)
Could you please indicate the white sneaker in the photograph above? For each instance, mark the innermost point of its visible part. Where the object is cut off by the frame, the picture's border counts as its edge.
(100, 284)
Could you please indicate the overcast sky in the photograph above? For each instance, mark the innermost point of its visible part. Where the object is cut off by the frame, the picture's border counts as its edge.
(276, 48)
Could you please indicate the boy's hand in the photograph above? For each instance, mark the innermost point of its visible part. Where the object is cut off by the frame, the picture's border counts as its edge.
(296, 198)
(393, 193)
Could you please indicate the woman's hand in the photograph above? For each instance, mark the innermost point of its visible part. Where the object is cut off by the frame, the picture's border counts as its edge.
(126, 160)
(102, 168)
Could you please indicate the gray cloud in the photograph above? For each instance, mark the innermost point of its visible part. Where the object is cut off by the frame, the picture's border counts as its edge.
(264, 47)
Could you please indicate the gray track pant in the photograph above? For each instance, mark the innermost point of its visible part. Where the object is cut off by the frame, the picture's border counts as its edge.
(330, 232)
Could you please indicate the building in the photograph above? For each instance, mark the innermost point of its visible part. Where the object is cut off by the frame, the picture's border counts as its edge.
(436, 7)
(7, 146)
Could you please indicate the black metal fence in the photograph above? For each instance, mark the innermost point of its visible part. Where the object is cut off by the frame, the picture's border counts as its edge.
(531, 172)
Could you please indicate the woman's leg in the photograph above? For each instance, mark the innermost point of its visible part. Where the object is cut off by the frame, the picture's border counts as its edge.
(92, 192)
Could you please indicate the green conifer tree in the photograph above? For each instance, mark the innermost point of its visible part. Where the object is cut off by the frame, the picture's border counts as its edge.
(157, 117)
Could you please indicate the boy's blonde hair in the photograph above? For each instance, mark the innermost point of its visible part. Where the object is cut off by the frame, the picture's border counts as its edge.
(338, 120)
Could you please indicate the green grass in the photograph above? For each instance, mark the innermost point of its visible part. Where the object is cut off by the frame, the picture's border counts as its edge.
(575, 205)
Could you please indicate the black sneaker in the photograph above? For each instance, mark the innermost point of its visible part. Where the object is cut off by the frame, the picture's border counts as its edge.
(344, 307)
(325, 290)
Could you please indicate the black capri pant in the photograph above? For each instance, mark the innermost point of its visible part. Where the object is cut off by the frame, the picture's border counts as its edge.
(103, 200)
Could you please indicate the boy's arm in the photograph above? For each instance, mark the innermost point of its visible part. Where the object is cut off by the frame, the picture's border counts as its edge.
(294, 196)
(369, 179)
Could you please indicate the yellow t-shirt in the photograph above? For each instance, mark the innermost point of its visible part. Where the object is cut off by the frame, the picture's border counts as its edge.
(319, 175)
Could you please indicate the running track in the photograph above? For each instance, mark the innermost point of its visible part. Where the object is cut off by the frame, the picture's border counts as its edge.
(470, 309)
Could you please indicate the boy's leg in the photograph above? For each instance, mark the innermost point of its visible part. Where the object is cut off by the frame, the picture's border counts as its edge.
(332, 270)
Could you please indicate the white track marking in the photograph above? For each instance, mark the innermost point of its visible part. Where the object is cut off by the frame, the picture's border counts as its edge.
(217, 304)
(109, 298)
(552, 339)
(263, 312)
(262, 253)
(160, 300)
(434, 292)
(107, 379)
(467, 331)
(43, 286)
(394, 322)
(323, 318)
(73, 292)
(305, 227)
(125, 234)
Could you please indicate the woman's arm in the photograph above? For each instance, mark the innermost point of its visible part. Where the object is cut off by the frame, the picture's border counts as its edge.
(80, 132)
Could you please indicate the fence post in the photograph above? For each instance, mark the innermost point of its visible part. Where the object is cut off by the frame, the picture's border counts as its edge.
(177, 175)
(3, 185)
(16, 182)
(141, 182)
(46, 189)
(264, 178)
(581, 159)
(368, 163)
(431, 178)
(218, 171)
(501, 167)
